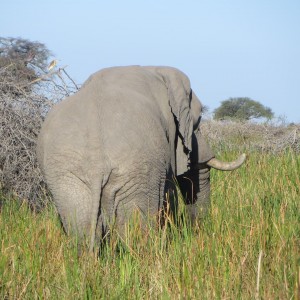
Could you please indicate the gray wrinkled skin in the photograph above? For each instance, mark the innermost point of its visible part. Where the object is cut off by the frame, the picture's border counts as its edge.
(113, 148)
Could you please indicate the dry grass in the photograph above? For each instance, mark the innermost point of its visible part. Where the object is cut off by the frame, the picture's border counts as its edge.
(247, 136)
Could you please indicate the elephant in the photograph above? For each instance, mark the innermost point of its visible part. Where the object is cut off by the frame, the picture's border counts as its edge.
(115, 147)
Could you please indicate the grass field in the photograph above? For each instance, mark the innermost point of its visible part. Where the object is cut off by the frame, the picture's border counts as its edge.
(247, 247)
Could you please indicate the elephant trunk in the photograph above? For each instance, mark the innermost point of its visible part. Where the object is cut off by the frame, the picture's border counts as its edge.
(198, 199)
(195, 184)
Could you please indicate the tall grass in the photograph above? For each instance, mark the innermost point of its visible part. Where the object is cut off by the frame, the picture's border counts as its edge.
(247, 246)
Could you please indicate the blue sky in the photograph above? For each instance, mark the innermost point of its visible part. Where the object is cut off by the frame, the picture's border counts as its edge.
(227, 48)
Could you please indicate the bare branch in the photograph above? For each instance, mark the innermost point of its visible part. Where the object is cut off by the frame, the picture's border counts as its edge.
(23, 106)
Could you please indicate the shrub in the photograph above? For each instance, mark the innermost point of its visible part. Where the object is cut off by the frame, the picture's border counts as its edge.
(24, 102)
(249, 137)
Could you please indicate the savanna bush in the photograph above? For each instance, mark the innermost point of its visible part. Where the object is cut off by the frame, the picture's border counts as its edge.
(24, 102)
(248, 136)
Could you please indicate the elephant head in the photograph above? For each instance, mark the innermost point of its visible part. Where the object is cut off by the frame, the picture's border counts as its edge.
(194, 158)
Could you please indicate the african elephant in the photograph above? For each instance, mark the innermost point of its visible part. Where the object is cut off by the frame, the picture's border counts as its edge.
(114, 146)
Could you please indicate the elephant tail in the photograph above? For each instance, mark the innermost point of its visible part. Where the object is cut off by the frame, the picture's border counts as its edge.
(94, 218)
(95, 208)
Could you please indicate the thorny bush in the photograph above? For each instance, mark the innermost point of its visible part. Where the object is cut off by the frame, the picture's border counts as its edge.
(24, 102)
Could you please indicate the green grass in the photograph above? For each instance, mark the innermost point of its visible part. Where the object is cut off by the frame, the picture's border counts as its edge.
(255, 209)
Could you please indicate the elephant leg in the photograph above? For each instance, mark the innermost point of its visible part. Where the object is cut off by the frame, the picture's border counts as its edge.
(133, 217)
(78, 204)
(140, 198)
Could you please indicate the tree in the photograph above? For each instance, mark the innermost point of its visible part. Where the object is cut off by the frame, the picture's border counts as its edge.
(242, 109)
(25, 51)
(28, 89)
(21, 62)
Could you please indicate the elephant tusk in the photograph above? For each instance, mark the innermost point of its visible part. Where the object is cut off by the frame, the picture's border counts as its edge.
(226, 166)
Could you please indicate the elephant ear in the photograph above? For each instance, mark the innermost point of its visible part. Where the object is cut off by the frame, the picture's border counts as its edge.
(179, 93)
